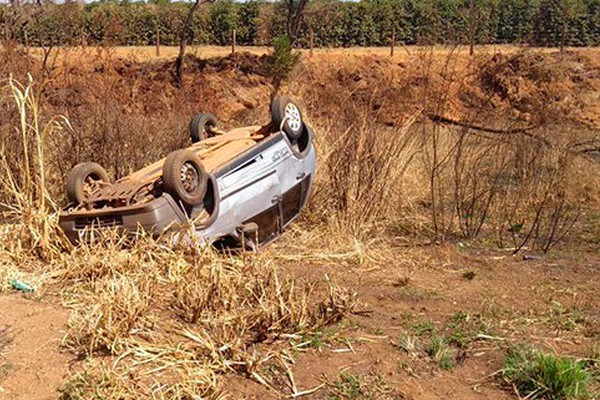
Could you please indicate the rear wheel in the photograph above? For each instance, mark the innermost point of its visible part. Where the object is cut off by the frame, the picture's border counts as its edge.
(184, 177)
(83, 179)
(201, 126)
(286, 116)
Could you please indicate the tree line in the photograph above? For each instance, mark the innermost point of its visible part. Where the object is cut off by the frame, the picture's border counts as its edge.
(333, 23)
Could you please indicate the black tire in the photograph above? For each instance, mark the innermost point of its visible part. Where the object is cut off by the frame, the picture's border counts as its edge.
(200, 126)
(286, 115)
(81, 177)
(191, 190)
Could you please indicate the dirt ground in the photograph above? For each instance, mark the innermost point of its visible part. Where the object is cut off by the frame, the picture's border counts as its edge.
(491, 299)
(32, 365)
(400, 52)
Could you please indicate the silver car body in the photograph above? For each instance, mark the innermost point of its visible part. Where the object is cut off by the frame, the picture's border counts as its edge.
(271, 176)
(263, 187)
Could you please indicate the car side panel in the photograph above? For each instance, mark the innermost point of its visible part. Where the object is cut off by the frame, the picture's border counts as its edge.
(247, 190)
(257, 184)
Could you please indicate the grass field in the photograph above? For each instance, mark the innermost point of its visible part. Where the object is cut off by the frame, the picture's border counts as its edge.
(448, 251)
(400, 52)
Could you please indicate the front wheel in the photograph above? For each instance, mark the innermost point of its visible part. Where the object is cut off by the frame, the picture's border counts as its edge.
(184, 177)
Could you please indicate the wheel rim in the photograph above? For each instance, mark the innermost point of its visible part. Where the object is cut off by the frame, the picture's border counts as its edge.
(207, 129)
(292, 116)
(90, 183)
(189, 177)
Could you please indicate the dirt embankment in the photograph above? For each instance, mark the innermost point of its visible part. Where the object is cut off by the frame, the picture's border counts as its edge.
(527, 86)
(134, 104)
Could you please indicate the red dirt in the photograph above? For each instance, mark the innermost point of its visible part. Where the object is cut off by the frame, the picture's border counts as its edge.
(34, 364)
(515, 298)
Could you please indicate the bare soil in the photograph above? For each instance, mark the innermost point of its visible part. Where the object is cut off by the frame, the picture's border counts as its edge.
(494, 299)
(32, 365)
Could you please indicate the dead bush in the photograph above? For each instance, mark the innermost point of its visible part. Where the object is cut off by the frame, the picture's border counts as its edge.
(214, 310)
(23, 166)
(542, 198)
(513, 187)
(249, 300)
(113, 311)
(359, 183)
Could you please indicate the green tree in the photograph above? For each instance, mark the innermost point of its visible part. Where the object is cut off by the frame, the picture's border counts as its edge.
(557, 22)
(223, 19)
(246, 22)
(515, 21)
(593, 21)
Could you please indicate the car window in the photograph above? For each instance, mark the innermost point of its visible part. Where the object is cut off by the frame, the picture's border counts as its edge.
(290, 203)
(268, 223)
(293, 199)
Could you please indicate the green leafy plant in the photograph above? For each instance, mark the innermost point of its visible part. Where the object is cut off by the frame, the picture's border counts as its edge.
(440, 352)
(347, 387)
(283, 59)
(314, 340)
(539, 375)
(423, 328)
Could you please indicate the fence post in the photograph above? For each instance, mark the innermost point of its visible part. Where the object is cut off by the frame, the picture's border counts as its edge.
(233, 40)
(312, 41)
(393, 42)
(157, 41)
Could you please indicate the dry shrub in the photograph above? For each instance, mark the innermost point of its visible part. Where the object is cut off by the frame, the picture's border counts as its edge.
(116, 308)
(360, 179)
(543, 197)
(179, 317)
(177, 374)
(104, 257)
(511, 187)
(24, 174)
(253, 300)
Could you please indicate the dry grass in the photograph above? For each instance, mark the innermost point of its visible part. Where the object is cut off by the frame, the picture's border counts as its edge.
(115, 309)
(24, 175)
(362, 170)
(178, 319)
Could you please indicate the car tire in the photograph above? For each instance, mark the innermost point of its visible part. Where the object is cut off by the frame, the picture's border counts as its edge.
(81, 177)
(286, 116)
(184, 177)
(200, 126)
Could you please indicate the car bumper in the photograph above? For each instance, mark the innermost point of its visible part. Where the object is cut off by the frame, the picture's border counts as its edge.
(156, 216)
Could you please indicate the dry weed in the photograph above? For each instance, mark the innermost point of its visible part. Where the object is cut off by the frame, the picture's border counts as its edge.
(178, 317)
(116, 309)
(359, 186)
(24, 175)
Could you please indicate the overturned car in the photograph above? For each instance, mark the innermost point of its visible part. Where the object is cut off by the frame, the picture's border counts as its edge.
(241, 187)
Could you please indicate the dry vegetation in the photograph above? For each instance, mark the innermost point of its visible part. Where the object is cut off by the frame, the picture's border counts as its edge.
(495, 153)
